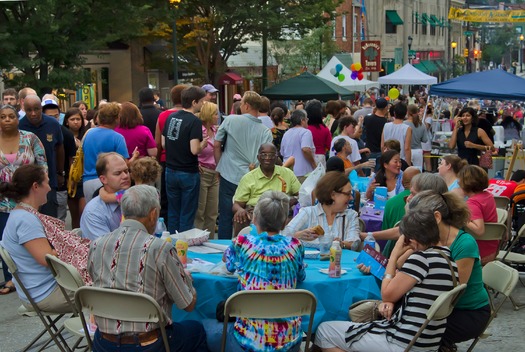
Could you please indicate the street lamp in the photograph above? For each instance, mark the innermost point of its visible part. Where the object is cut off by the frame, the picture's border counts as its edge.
(521, 53)
(175, 55)
(410, 39)
(454, 46)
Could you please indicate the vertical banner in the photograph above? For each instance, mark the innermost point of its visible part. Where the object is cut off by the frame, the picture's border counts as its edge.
(87, 94)
(371, 55)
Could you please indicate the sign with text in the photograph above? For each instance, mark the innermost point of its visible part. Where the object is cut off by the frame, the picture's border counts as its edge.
(371, 55)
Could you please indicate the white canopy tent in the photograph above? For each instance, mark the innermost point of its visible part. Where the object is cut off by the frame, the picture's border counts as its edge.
(407, 74)
(348, 82)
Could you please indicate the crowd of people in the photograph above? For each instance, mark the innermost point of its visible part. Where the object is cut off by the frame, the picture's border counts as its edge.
(196, 167)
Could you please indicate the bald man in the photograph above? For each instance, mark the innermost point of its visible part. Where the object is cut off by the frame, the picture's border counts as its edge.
(22, 94)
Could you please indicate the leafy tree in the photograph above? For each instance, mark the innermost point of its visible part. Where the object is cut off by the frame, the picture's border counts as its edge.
(44, 39)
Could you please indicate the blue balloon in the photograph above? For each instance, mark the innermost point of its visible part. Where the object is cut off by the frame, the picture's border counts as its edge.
(338, 67)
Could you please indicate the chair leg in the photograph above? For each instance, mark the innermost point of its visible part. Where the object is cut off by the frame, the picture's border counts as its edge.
(517, 306)
(473, 344)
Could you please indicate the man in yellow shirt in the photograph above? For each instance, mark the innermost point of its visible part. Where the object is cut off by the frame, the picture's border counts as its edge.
(266, 177)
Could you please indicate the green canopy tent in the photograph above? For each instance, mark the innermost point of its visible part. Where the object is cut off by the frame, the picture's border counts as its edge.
(307, 86)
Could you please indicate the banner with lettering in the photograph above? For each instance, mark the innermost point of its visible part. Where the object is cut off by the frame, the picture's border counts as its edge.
(371, 55)
(87, 94)
(470, 15)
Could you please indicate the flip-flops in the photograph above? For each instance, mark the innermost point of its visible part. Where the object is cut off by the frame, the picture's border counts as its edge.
(10, 288)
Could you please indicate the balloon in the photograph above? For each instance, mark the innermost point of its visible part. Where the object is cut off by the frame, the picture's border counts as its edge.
(353, 67)
(387, 98)
(354, 75)
(360, 76)
(333, 72)
(341, 77)
(361, 70)
(339, 67)
(358, 66)
(393, 93)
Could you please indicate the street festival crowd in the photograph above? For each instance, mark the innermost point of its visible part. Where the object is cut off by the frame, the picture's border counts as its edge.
(199, 168)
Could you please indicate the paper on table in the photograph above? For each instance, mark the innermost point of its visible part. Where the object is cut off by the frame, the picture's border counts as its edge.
(208, 248)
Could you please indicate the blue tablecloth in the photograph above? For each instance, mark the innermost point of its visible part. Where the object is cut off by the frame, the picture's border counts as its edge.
(334, 296)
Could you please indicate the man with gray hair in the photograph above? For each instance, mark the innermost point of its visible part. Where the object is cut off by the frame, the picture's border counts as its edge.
(132, 259)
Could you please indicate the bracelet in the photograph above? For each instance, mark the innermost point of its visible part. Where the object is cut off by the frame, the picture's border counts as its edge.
(388, 276)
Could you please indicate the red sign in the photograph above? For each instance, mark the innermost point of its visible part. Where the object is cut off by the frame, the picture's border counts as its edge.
(371, 56)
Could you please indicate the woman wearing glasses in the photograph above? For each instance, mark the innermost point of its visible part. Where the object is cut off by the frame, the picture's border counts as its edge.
(16, 148)
(333, 191)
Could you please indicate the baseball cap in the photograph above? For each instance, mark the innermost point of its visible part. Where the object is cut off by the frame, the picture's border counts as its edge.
(381, 103)
(237, 97)
(518, 175)
(209, 88)
(49, 103)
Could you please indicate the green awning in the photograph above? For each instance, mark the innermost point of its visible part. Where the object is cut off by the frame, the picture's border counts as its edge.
(431, 67)
(394, 17)
(424, 19)
(434, 21)
(441, 65)
(421, 67)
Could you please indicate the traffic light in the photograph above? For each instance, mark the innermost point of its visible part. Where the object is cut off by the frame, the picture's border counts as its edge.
(476, 53)
(465, 52)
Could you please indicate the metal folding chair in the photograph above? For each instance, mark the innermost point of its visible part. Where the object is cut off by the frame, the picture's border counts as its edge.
(49, 319)
(266, 304)
(502, 202)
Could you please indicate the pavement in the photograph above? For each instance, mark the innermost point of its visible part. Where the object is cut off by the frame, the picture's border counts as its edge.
(506, 330)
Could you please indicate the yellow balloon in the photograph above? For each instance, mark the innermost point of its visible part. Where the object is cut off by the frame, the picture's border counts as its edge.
(393, 93)
(357, 66)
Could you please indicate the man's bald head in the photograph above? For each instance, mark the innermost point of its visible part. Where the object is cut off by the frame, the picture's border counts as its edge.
(267, 147)
(408, 174)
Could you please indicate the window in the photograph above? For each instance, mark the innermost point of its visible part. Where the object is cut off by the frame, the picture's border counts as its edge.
(392, 20)
(333, 25)
(343, 25)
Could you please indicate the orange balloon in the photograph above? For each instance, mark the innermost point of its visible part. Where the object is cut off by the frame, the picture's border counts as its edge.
(353, 67)
(387, 98)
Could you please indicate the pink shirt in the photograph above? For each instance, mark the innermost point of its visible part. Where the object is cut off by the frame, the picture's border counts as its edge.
(483, 206)
(139, 137)
(206, 158)
(322, 138)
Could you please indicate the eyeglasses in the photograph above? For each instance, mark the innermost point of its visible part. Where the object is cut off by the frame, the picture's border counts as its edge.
(348, 194)
(267, 155)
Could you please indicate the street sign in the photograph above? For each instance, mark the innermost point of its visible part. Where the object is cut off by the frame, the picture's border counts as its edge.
(467, 33)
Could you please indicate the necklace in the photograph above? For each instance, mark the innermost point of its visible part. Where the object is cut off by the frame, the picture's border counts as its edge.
(25, 205)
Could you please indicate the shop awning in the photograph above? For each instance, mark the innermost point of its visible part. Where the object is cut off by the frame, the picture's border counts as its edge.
(424, 19)
(435, 20)
(431, 67)
(441, 65)
(230, 78)
(394, 17)
(421, 67)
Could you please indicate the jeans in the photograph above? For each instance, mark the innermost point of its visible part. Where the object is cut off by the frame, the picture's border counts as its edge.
(182, 189)
(3, 221)
(226, 193)
(185, 336)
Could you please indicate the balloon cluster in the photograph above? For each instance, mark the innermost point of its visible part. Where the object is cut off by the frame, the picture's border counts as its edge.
(357, 71)
(336, 72)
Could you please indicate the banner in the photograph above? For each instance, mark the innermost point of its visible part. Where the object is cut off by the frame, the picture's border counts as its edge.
(86, 93)
(371, 55)
(469, 15)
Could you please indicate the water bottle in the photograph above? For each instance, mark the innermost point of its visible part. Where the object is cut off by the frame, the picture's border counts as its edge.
(160, 228)
(334, 269)
(370, 240)
(166, 236)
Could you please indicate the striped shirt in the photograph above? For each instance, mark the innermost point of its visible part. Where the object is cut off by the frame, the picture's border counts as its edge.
(131, 259)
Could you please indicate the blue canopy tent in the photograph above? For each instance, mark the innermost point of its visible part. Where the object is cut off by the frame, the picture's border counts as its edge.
(493, 84)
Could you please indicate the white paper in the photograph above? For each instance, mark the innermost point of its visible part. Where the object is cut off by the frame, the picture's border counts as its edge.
(325, 271)
(204, 250)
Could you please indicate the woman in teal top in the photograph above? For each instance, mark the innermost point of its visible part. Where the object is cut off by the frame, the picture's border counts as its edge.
(472, 312)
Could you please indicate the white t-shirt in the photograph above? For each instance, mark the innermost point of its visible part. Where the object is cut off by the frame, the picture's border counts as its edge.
(355, 156)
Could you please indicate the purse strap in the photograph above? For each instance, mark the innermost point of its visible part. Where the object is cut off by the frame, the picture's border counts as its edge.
(454, 280)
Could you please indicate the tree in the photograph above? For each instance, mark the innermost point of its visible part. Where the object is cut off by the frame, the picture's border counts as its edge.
(45, 39)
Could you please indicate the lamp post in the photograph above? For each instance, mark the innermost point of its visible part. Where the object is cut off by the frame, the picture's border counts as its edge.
(521, 53)
(175, 55)
(410, 39)
(453, 45)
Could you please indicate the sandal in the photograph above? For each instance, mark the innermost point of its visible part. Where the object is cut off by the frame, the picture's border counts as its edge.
(9, 288)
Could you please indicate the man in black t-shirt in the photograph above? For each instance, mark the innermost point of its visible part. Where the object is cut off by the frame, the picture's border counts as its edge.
(182, 140)
(373, 129)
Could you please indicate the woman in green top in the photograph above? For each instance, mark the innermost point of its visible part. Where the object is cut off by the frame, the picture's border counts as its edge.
(471, 314)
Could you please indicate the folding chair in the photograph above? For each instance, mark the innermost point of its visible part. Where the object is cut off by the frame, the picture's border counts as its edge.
(512, 258)
(362, 225)
(502, 202)
(121, 305)
(502, 215)
(502, 279)
(440, 309)
(50, 323)
(245, 231)
(493, 231)
(68, 279)
(270, 304)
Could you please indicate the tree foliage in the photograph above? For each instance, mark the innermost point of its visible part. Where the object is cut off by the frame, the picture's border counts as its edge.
(44, 39)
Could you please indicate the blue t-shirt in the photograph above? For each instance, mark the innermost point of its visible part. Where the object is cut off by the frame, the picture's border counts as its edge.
(50, 134)
(21, 228)
(101, 140)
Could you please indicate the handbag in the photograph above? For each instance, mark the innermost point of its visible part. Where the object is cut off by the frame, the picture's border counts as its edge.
(364, 311)
(219, 312)
(485, 159)
(76, 170)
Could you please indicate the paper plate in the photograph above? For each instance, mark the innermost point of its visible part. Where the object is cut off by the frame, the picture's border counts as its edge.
(194, 237)
(311, 254)
(325, 271)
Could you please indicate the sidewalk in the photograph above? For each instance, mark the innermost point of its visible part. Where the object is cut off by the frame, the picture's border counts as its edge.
(506, 329)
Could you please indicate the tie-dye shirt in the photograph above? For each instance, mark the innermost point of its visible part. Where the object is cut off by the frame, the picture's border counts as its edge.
(266, 262)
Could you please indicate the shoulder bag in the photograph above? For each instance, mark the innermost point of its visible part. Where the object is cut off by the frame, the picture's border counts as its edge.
(77, 169)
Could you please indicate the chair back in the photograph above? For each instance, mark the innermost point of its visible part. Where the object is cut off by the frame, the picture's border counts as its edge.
(494, 231)
(440, 309)
(502, 202)
(245, 231)
(270, 304)
(66, 275)
(120, 305)
(503, 254)
(502, 215)
(362, 225)
(8, 260)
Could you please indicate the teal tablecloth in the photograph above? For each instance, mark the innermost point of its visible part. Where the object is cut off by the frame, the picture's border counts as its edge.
(334, 296)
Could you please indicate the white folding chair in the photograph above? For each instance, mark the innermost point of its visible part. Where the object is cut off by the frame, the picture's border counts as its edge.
(68, 279)
(502, 215)
(440, 309)
(245, 231)
(502, 202)
(502, 279)
(120, 305)
(49, 319)
(270, 304)
(362, 225)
